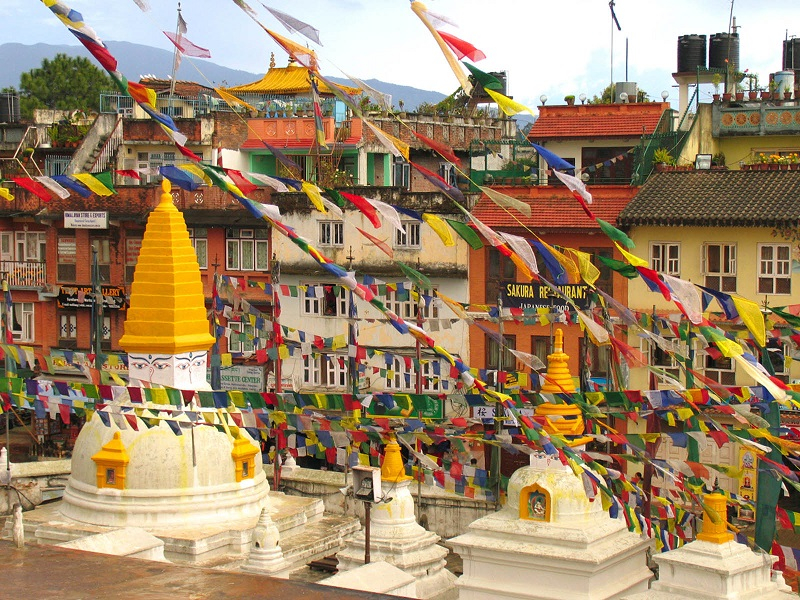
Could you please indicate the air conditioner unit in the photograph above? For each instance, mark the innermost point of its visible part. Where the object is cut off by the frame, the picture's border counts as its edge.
(125, 111)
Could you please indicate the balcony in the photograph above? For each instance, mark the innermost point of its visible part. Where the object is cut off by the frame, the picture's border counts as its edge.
(756, 118)
(299, 131)
(23, 274)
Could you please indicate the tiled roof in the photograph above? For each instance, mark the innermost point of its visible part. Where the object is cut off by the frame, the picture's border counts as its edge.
(285, 80)
(596, 121)
(554, 209)
(717, 199)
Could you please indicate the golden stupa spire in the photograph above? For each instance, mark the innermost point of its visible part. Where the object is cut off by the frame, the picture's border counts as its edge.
(558, 379)
(716, 533)
(392, 468)
(167, 313)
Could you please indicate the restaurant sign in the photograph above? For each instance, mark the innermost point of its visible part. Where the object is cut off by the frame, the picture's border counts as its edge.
(537, 295)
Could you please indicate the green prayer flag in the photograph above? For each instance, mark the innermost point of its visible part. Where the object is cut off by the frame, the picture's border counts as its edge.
(106, 180)
(788, 317)
(415, 276)
(620, 267)
(336, 197)
(615, 234)
(489, 82)
(466, 233)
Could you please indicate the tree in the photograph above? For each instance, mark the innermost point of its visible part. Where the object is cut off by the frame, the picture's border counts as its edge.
(606, 96)
(64, 83)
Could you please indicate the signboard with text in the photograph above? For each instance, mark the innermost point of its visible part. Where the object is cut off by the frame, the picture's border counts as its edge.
(537, 295)
(80, 296)
(74, 219)
(241, 377)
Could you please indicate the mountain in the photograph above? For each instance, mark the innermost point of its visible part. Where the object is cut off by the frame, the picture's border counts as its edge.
(135, 60)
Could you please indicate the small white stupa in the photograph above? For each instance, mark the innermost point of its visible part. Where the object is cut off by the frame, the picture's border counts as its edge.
(550, 542)
(715, 567)
(396, 537)
(143, 474)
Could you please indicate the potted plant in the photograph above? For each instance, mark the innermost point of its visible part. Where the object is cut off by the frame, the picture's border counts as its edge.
(739, 92)
(773, 90)
(402, 105)
(662, 159)
(570, 100)
(787, 92)
(716, 79)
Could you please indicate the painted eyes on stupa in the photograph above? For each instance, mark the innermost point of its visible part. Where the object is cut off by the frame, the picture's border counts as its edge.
(160, 366)
(199, 362)
(182, 366)
(139, 365)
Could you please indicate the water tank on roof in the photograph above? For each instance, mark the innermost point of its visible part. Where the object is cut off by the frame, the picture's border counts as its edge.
(691, 53)
(628, 87)
(9, 108)
(478, 93)
(723, 49)
(784, 81)
(791, 55)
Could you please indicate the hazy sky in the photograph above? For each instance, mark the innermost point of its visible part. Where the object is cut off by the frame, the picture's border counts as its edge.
(552, 48)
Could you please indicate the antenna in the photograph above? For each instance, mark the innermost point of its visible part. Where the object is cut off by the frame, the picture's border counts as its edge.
(614, 22)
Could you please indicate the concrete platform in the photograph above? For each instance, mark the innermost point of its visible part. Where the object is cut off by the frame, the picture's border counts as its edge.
(52, 572)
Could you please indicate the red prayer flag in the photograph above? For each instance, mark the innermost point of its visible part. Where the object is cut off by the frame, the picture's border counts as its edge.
(188, 153)
(186, 47)
(443, 149)
(241, 182)
(128, 173)
(365, 206)
(461, 48)
(64, 410)
(139, 92)
(101, 53)
(652, 276)
(36, 188)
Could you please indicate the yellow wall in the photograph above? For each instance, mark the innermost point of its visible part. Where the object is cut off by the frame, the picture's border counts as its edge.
(746, 148)
(691, 240)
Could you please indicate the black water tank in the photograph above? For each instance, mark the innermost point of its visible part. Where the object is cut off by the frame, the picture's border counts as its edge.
(723, 46)
(691, 53)
(9, 108)
(791, 55)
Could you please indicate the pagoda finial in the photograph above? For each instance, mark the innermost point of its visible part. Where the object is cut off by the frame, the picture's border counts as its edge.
(558, 378)
(271, 60)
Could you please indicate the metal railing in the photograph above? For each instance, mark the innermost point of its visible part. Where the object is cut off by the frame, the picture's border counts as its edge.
(109, 149)
(23, 274)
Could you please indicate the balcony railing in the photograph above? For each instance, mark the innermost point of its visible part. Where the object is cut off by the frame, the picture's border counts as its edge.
(23, 274)
(756, 118)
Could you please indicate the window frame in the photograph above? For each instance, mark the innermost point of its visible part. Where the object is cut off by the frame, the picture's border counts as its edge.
(331, 234)
(656, 262)
(70, 338)
(26, 321)
(66, 270)
(775, 265)
(199, 238)
(493, 353)
(328, 304)
(411, 238)
(244, 347)
(326, 370)
(716, 280)
(242, 246)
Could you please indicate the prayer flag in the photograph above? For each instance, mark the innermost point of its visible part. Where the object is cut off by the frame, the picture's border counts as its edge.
(506, 201)
(440, 227)
(487, 81)
(462, 49)
(365, 206)
(36, 188)
(186, 47)
(379, 243)
(507, 105)
(293, 24)
(422, 12)
(466, 233)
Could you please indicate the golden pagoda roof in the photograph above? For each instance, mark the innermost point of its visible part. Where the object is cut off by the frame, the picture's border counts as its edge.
(167, 313)
(292, 79)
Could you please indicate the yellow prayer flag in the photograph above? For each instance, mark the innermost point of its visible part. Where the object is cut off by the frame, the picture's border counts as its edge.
(507, 105)
(589, 272)
(195, 170)
(339, 341)
(6, 193)
(573, 274)
(440, 227)
(159, 396)
(237, 397)
(313, 193)
(283, 352)
(632, 258)
(421, 11)
(233, 100)
(92, 183)
(751, 315)
(226, 360)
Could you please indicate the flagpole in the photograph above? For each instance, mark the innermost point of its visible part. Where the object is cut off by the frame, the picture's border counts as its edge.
(176, 58)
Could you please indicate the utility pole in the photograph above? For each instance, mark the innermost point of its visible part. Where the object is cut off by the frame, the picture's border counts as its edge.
(352, 332)
(276, 325)
(97, 312)
(216, 372)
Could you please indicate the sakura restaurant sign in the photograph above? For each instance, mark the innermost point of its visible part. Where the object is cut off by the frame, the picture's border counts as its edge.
(85, 219)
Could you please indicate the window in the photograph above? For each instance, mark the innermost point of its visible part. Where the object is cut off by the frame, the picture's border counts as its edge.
(31, 246)
(403, 375)
(331, 233)
(199, 238)
(664, 358)
(493, 353)
(405, 305)
(401, 173)
(409, 237)
(247, 250)
(103, 247)
(22, 322)
(105, 341)
(133, 245)
(720, 370)
(665, 257)
(447, 171)
(243, 346)
(619, 170)
(328, 370)
(606, 280)
(499, 269)
(540, 347)
(326, 300)
(774, 269)
(67, 258)
(719, 267)
(777, 352)
(68, 330)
